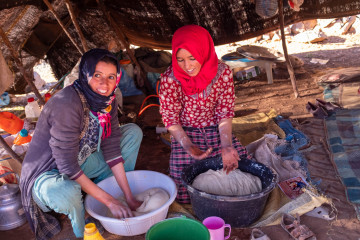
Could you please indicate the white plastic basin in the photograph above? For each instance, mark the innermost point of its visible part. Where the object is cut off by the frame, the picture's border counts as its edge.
(139, 181)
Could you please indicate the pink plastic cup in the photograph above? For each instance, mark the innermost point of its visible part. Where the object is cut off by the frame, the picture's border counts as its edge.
(216, 228)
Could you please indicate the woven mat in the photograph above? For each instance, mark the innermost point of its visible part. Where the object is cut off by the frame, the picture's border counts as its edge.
(349, 97)
(343, 138)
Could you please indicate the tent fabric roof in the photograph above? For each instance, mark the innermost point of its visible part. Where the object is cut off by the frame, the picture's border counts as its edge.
(152, 23)
(146, 23)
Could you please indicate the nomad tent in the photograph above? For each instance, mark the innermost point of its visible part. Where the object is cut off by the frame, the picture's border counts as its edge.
(32, 28)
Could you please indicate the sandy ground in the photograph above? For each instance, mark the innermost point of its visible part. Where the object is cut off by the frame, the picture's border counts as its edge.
(258, 96)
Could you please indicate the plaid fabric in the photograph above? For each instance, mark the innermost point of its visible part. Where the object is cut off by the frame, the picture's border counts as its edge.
(204, 138)
(332, 93)
(45, 225)
(343, 137)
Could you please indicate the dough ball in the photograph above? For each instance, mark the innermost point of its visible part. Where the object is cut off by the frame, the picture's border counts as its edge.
(152, 199)
(236, 183)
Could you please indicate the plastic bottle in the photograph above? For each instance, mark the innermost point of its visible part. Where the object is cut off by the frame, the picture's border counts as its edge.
(22, 137)
(288, 148)
(47, 97)
(92, 233)
(32, 109)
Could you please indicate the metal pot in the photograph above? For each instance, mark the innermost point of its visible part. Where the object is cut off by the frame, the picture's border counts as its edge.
(12, 214)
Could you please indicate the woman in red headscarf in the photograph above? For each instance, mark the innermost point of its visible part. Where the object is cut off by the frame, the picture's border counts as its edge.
(197, 105)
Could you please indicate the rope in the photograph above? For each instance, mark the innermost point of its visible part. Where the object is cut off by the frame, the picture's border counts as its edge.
(150, 105)
(142, 108)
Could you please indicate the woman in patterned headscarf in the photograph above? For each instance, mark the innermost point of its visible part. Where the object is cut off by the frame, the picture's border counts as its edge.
(197, 105)
(76, 144)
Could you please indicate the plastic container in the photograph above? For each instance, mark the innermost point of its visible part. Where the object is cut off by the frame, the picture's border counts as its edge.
(178, 229)
(92, 233)
(47, 97)
(22, 138)
(10, 123)
(32, 109)
(139, 181)
(238, 211)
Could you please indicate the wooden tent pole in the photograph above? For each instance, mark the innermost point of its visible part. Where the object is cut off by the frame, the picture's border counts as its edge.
(288, 63)
(76, 24)
(62, 26)
(21, 66)
(10, 151)
(124, 42)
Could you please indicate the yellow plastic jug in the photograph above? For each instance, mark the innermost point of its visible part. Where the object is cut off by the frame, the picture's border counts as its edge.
(91, 232)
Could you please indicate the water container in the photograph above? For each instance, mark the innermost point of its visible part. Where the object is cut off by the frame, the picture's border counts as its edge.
(22, 137)
(92, 233)
(32, 109)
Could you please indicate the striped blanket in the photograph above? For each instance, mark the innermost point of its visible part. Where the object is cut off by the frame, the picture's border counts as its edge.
(343, 138)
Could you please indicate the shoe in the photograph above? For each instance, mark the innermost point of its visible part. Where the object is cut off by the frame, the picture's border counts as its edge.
(324, 212)
(257, 234)
(297, 231)
(329, 106)
(317, 111)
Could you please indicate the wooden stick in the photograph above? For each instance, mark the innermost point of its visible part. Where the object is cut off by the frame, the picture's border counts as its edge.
(124, 42)
(20, 66)
(53, 88)
(288, 63)
(10, 151)
(76, 24)
(62, 26)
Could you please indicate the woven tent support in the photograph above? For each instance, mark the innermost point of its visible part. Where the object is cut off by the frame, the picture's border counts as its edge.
(122, 37)
(62, 26)
(288, 63)
(10, 151)
(21, 66)
(76, 24)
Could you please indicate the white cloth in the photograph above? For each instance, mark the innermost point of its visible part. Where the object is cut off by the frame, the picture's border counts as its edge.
(236, 183)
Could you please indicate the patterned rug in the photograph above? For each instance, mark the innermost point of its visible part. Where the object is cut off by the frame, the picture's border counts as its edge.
(343, 138)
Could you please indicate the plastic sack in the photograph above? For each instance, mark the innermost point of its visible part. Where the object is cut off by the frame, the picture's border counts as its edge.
(38, 81)
(266, 8)
(127, 85)
(10, 123)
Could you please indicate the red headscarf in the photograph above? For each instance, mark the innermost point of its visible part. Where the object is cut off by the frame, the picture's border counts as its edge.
(199, 43)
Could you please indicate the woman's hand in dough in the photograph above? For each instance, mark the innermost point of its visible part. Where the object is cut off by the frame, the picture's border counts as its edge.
(133, 204)
(230, 158)
(118, 210)
(196, 153)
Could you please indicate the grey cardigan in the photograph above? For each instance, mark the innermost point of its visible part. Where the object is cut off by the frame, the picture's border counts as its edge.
(55, 143)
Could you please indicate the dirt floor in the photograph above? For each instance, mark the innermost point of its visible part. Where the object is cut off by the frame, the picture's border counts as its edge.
(257, 96)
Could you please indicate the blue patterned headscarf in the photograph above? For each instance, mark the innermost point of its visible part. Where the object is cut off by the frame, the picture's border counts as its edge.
(98, 103)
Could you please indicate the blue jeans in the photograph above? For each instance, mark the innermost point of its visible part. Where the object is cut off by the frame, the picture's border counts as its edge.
(55, 191)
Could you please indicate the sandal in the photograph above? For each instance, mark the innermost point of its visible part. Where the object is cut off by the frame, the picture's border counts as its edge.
(329, 106)
(324, 212)
(295, 229)
(257, 234)
(317, 111)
